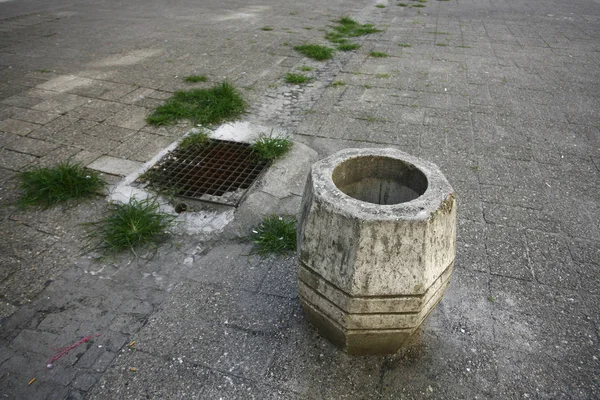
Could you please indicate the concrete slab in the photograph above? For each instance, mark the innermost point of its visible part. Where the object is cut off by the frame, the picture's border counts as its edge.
(115, 166)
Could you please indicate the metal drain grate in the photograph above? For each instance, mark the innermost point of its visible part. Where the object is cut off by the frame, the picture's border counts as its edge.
(221, 172)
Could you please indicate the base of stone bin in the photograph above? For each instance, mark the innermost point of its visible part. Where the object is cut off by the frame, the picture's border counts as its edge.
(327, 316)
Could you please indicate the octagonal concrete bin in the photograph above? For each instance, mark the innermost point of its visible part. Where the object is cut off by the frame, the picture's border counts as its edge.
(376, 243)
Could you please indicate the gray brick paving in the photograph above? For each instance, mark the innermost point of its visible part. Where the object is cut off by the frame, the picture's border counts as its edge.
(503, 96)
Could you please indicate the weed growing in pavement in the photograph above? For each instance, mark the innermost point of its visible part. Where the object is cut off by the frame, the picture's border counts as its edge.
(382, 76)
(270, 147)
(201, 106)
(47, 186)
(348, 46)
(418, 5)
(441, 44)
(195, 78)
(129, 226)
(348, 28)
(380, 6)
(315, 51)
(337, 83)
(296, 79)
(378, 54)
(197, 140)
(402, 4)
(404, 45)
(305, 68)
(276, 234)
(266, 28)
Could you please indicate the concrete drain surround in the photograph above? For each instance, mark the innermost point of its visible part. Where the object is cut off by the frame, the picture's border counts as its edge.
(220, 172)
(376, 243)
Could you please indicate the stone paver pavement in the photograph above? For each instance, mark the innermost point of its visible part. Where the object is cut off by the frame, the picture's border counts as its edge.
(502, 95)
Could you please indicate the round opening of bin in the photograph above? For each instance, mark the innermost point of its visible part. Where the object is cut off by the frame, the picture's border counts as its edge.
(379, 180)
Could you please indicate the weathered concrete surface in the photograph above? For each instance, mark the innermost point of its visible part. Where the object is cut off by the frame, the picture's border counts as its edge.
(502, 96)
(376, 246)
(278, 192)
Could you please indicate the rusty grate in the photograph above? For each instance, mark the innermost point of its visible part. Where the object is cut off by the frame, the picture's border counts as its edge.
(220, 172)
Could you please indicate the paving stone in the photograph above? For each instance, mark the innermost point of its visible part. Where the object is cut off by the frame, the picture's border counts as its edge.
(279, 279)
(65, 83)
(506, 250)
(31, 146)
(21, 101)
(524, 324)
(520, 217)
(129, 117)
(68, 153)
(115, 166)
(141, 146)
(181, 379)
(61, 103)
(103, 90)
(17, 127)
(219, 385)
(14, 161)
(92, 114)
(111, 132)
(85, 380)
(136, 96)
(7, 138)
(551, 260)
(37, 117)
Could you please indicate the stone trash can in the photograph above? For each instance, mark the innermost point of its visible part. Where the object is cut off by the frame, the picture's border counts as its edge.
(376, 243)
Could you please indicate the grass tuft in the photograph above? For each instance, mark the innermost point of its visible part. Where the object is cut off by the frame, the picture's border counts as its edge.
(202, 106)
(270, 147)
(198, 140)
(45, 187)
(404, 45)
(418, 5)
(276, 234)
(266, 28)
(137, 223)
(305, 68)
(337, 83)
(402, 4)
(297, 79)
(348, 46)
(315, 51)
(347, 28)
(195, 78)
(378, 54)
(380, 6)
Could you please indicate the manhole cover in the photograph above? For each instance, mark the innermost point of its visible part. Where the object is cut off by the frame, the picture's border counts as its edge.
(220, 172)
